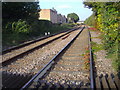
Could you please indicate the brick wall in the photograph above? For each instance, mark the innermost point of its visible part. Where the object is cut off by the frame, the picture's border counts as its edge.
(51, 15)
(44, 14)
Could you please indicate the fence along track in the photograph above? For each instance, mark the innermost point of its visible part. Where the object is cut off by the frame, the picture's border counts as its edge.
(27, 51)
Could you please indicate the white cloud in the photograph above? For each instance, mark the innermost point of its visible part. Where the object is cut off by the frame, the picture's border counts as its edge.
(63, 6)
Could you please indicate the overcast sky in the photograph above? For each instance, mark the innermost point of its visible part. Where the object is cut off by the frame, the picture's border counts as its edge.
(67, 6)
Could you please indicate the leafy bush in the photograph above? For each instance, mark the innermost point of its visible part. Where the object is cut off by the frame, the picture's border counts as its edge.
(72, 17)
(15, 33)
(96, 47)
(20, 31)
(17, 27)
(106, 16)
(20, 27)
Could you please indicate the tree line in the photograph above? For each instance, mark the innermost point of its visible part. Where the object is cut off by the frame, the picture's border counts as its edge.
(20, 23)
(106, 18)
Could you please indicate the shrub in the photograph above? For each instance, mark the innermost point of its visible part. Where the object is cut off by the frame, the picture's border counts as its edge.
(20, 27)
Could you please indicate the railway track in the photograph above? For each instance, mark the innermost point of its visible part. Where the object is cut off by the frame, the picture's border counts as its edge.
(64, 70)
(6, 74)
(70, 66)
(34, 61)
(12, 54)
(47, 77)
(34, 41)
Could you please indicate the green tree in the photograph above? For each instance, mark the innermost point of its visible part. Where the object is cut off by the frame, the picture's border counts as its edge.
(91, 20)
(13, 11)
(106, 16)
(72, 17)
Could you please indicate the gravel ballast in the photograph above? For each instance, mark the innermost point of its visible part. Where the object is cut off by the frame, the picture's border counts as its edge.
(70, 67)
(23, 49)
(33, 62)
(103, 65)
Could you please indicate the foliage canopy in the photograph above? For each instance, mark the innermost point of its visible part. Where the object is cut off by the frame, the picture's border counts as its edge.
(19, 10)
(106, 18)
(72, 17)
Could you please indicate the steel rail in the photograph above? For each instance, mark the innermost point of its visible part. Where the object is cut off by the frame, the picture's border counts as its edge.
(92, 81)
(33, 41)
(47, 66)
(30, 50)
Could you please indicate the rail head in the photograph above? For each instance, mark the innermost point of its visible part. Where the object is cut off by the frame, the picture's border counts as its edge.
(92, 81)
(8, 61)
(33, 41)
